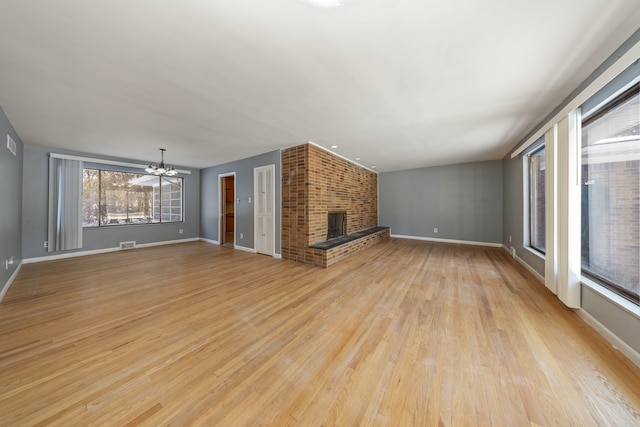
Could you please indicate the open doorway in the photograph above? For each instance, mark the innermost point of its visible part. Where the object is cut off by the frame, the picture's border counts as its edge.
(227, 209)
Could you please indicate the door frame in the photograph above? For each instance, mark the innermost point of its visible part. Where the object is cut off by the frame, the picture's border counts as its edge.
(220, 210)
(271, 167)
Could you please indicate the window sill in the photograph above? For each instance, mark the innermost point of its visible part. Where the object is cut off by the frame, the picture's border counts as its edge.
(535, 252)
(96, 227)
(616, 299)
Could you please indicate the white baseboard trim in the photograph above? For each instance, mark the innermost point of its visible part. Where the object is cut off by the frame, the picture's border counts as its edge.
(522, 262)
(69, 255)
(461, 242)
(537, 275)
(615, 341)
(168, 242)
(102, 251)
(10, 281)
(213, 242)
(244, 249)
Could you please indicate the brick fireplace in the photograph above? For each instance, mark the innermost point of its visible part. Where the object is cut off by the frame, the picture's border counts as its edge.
(315, 183)
(336, 224)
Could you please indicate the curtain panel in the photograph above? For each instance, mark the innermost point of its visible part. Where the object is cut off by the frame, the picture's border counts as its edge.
(65, 204)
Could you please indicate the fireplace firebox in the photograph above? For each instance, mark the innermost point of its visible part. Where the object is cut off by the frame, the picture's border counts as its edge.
(336, 225)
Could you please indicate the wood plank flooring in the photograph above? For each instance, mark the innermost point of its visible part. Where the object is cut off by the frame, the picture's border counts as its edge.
(406, 333)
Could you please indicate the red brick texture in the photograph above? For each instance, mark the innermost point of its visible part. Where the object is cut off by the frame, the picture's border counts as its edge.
(614, 209)
(314, 183)
(331, 256)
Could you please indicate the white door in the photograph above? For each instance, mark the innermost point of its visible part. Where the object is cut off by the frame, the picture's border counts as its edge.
(264, 209)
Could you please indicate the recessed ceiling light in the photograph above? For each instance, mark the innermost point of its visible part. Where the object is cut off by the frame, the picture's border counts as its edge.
(328, 4)
(357, 158)
(334, 146)
(373, 167)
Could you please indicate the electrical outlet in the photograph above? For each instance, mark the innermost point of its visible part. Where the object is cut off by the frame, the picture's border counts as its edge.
(181, 231)
(241, 235)
(46, 244)
(509, 239)
(435, 230)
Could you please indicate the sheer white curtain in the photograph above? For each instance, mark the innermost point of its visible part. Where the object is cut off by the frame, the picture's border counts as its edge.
(562, 198)
(551, 209)
(568, 197)
(65, 204)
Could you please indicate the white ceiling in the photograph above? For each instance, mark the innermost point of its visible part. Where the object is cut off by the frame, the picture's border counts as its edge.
(399, 83)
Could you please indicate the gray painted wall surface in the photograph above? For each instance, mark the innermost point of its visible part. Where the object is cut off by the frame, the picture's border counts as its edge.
(623, 324)
(10, 201)
(35, 200)
(210, 199)
(463, 201)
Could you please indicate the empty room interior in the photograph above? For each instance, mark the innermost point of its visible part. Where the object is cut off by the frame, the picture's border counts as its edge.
(320, 212)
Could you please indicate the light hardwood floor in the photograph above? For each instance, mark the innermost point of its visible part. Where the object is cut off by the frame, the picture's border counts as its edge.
(406, 333)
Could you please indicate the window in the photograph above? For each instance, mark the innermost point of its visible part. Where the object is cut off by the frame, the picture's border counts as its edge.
(610, 195)
(536, 200)
(115, 198)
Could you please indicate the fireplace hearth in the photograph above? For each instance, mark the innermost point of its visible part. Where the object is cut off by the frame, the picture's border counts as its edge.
(336, 224)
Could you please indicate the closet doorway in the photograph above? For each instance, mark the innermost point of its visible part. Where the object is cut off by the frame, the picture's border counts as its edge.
(227, 216)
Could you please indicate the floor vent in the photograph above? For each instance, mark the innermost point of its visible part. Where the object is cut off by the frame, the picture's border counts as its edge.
(11, 145)
(127, 245)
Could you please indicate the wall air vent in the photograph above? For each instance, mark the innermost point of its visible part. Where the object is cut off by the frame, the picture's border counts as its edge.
(127, 245)
(11, 145)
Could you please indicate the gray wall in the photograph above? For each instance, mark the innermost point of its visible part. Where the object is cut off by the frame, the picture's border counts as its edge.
(616, 319)
(463, 201)
(210, 198)
(10, 201)
(621, 322)
(35, 199)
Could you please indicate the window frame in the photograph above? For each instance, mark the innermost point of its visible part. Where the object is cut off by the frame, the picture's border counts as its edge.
(99, 169)
(531, 205)
(596, 113)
